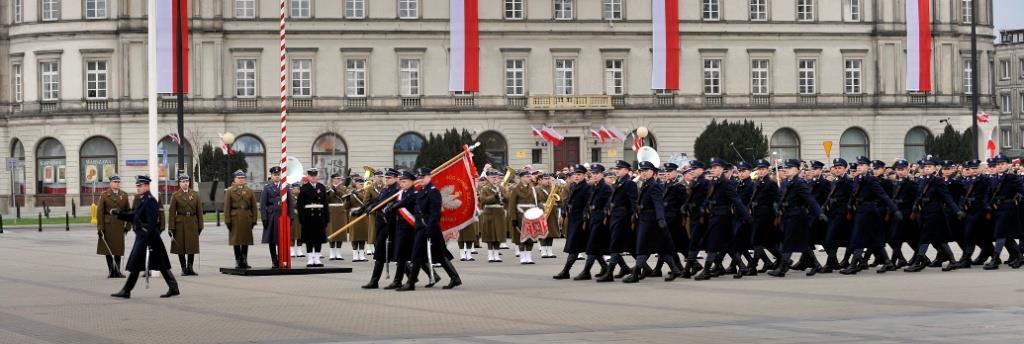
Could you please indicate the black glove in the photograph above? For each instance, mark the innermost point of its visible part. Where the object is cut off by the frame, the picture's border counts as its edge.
(99, 234)
(115, 211)
(170, 233)
(358, 212)
(823, 218)
(960, 215)
(898, 216)
(662, 224)
(229, 226)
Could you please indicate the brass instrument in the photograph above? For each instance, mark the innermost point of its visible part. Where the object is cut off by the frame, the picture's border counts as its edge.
(553, 196)
(509, 173)
(368, 172)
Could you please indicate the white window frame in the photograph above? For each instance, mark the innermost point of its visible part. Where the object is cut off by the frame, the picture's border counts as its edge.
(49, 80)
(968, 77)
(760, 76)
(17, 83)
(805, 10)
(356, 70)
(563, 9)
(95, 9)
(966, 11)
(807, 76)
(856, 10)
(408, 9)
(853, 76)
(410, 77)
(712, 76)
(515, 77)
(245, 9)
(1020, 67)
(355, 9)
(1005, 103)
(514, 9)
(49, 10)
(18, 11)
(302, 77)
(1005, 137)
(245, 77)
(565, 76)
(613, 9)
(1004, 69)
(97, 80)
(614, 76)
(300, 9)
(758, 10)
(711, 10)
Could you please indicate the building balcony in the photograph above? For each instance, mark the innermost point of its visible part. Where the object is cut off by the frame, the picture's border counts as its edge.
(595, 102)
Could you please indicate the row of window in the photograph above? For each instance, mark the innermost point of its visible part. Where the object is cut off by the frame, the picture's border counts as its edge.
(1006, 69)
(711, 10)
(1006, 102)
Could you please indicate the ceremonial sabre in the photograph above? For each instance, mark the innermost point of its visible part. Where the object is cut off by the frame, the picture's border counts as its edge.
(147, 267)
(430, 260)
(105, 243)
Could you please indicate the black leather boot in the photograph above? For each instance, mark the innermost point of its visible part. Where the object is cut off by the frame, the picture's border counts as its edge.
(919, 265)
(238, 256)
(705, 274)
(453, 276)
(853, 268)
(780, 269)
(993, 264)
(674, 270)
(399, 275)
(172, 284)
(432, 276)
(814, 266)
(634, 275)
(582, 276)
(273, 257)
(111, 272)
(129, 284)
(410, 279)
(245, 257)
(378, 268)
(190, 261)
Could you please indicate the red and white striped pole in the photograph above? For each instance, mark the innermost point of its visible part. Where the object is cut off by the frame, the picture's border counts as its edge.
(284, 229)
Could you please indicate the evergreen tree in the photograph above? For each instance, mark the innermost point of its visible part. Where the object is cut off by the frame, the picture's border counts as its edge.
(724, 139)
(215, 166)
(438, 148)
(951, 145)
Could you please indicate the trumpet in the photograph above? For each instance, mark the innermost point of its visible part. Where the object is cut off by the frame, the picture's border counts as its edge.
(509, 173)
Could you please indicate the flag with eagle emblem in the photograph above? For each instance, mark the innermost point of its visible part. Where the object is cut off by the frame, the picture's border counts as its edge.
(458, 195)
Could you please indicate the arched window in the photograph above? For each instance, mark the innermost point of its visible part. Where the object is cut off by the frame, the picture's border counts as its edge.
(330, 154)
(627, 147)
(97, 162)
(913, 143)
(18, 154)
(407, 148)
(251, 148)
(786, 143)
(51, 173)
(495, 148)
(169, 168)
(853, 143)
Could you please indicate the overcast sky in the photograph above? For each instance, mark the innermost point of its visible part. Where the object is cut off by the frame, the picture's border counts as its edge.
(1009, 15)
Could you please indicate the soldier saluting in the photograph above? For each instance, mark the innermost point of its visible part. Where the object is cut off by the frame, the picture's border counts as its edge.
(185, 225)
(110, 229)
(148, 252)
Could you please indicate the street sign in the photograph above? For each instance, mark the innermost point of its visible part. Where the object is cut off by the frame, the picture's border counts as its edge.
(136, 162)
(828, 148)
(13, 164)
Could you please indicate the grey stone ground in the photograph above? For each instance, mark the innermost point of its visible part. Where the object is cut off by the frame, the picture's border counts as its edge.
(53, 290)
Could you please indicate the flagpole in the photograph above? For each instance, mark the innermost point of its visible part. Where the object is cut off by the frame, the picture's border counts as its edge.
(179, 61)
(284, 231)
(151, 54)
(975, 92)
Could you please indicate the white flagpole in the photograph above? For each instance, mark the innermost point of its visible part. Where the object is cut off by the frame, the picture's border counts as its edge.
(154, 172)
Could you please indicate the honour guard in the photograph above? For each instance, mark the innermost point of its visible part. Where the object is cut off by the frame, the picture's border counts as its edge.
(675, 194)
(1006, 190)
(524, 195)
(837, 232)
(721, 208)
(797, 207)
(652, 233)
(597, 243)
(576, 233)
(492, 221)
(975, 205)
(240, 217)
(337, 201)
(428, 238)
(312, 207)
(111, 230)
(293, 213)
(904, 194)
(185, 225)
(618, 214)
(270, 213)
(384, 234)
(930, 208)
(820, 188)
(765, 237)
(698, 195)
(403, 209)
(148, 252)
(868, 203)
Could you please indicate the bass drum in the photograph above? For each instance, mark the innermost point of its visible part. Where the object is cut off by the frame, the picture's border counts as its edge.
(535, 226)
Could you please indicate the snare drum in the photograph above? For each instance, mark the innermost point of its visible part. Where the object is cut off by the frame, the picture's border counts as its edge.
(535, 227)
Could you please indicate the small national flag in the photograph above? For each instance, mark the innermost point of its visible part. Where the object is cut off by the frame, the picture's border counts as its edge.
(175, 138)
(638, 142)
(597, 135)
(551, 135)
(615, 134)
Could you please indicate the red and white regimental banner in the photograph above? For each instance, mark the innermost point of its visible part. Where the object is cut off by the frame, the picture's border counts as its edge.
(171, 28)
(464, 68)
(665, 29)
(919, 46)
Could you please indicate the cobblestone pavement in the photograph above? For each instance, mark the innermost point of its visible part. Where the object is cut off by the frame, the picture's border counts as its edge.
(53, 289)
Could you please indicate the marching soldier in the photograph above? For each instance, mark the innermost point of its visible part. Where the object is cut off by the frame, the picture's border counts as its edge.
(722, 206)
(652, 234)
(337, 200)
(869, 230)
(797, 207)
(428, 230)
(837, 232)
(524, 195)
(185, 225)
(148, 251)
(904, 194)
(576, 233)
(698, 229)
(110, 230)
(404, 210)
(270, 213)
(820, 188)
(492, 220)
(975, 205)
(741, 244)
(1006, 190)
(240, 217)
(312, 207)
(619, 213)
(599, 236)
(675, 196)
(384, 235)
(930, 207)
(359, 196)
(763, 205)
(948, 176)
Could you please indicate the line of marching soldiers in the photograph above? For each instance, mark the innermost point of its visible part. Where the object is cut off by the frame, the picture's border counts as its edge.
(760, 215)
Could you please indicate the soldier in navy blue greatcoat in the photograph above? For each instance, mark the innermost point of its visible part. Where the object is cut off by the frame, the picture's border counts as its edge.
(576, 234)
(384, 226)
(698, 229)
(820, 188)
(931, 208)
(868, 204)
(652, 227)
(763, 207)
(837, 233)
(741, 244)
(599, 236)
(675, 197)
(270, 212)
(619, 213)
(146, 224)
(903, 231)
(1006, 192)
(975, 204)
(798, 208)
(405, 226)
(428, 229)
(721, 208)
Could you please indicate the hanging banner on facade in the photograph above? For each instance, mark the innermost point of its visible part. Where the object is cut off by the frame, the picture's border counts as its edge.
(171, 29)
(665, 32)
(919, 46)
(464, 68)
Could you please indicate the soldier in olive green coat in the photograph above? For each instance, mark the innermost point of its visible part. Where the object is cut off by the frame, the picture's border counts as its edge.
(240, 209)
(186, 222)
(493, 221)
(337, 203)
(110, 230)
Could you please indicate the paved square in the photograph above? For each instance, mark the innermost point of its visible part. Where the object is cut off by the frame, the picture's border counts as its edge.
(55, 290)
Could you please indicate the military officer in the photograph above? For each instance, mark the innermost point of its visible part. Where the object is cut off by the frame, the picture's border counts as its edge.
(576, 232)
(110, 229)
(146, 223)
(652, 233)
(524, 195)
(185, 225)
(765, 237)
(931, 206)
(599, 236)
(428, 230)
(313, 214)
(384, 233)
(837, 233)
(698, 228)
(674, 196)
(270, 213)
(743, 232)
(976, 194)
(904, 194)
(721, 208)
(337, 201)
(1006, 190)
(403, 210)
(618, 213)
(820, 188)
(797, 207)
(492, 221)
(868, 203)
(240, 217)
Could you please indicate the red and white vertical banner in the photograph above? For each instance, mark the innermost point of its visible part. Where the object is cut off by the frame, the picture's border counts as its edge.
(919, 46)
(171, 29)
(464, 67)
(987, 144)
(284, 224)
(665, 29)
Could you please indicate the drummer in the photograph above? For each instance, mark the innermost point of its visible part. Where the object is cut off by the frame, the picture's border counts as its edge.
(525, 195)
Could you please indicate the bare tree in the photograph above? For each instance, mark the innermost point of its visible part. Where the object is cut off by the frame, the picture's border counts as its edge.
(194, 135)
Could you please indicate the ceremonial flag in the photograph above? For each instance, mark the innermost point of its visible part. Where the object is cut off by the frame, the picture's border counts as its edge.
(171, 30)
(919, 46)
(175, 138)
(665, 32)
(464, 68)
(614, 133)
(456, 182)
(551, 135)
(597, 135)
(638, 142)
(985, 126)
